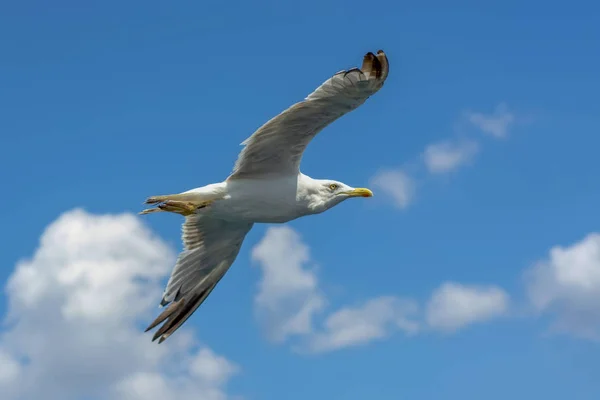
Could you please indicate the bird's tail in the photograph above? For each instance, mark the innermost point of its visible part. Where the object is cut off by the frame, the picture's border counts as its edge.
(186, 203)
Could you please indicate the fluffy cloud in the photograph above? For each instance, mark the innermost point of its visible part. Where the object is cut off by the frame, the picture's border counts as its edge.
(205, 375)
(288, 295)
(567, 284)
(446, 156)
(375, 319)
(72, 321)
(495, 124)
(453, 306)
(289, 299)
(395, 184)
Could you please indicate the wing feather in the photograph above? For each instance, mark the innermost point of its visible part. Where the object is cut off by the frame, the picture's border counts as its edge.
(211, 246)
(276, 148)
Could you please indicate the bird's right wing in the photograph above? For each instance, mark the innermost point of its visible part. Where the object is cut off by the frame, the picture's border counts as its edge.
(211, 246)
(277, 146)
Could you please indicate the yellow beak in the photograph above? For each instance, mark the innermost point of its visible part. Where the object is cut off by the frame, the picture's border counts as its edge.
(360, 192)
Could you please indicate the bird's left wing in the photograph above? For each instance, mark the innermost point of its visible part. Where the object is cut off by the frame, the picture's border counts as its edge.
(276, 148)
(211, 246)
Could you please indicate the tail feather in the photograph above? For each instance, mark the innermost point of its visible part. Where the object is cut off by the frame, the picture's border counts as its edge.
(182, 203)
(194, 196)
(150, 211)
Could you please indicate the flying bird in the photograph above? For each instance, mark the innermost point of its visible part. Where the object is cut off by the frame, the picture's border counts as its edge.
(266, 186)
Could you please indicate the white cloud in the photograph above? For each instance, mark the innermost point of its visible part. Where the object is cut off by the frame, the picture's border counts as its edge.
(445, 156)
(288, 295)
(375, 319)
(73, 319)
(206, 374)
(289, 299)
(395, 184)
(567, 284)
(495, 124)
(9, 369)
(453, 306)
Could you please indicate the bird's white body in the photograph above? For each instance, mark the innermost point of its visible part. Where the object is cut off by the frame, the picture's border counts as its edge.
(266, 186)
(277, 200)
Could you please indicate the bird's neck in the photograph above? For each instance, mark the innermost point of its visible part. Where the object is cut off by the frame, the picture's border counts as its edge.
(308, 195)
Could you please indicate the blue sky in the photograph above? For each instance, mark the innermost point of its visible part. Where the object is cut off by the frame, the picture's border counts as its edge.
(481, 149)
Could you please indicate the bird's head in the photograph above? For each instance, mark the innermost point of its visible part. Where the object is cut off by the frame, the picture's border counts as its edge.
(330, 193)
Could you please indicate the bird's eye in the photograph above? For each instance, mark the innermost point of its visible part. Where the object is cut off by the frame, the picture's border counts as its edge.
(333, 186)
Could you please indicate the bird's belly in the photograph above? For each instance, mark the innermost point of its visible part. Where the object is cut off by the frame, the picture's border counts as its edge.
(257, 207)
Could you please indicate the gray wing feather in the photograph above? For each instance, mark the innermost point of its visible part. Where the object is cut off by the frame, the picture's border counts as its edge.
(276, 148)
(211, 246)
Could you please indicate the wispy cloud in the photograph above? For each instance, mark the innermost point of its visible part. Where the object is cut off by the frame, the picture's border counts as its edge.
(567, 285)
(288, 295)
(396, 185)
(377, 318)
(446, 156)
(289, 301)
(79, 298)
(453, 306)
(443, 156)
(496, 124)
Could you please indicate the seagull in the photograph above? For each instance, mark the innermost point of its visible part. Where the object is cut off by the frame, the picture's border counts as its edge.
(266, 186)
